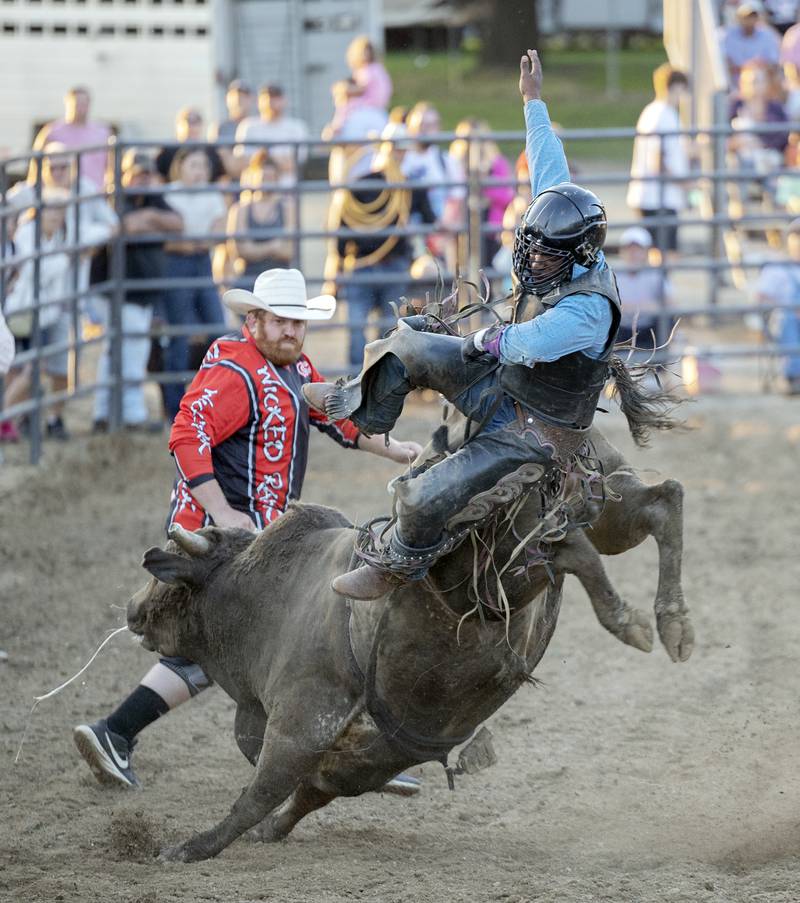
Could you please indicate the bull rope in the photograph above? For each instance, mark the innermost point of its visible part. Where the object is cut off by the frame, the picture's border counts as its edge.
(58, 689)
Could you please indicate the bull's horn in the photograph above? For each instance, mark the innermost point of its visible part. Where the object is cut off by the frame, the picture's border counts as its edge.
(192, 543)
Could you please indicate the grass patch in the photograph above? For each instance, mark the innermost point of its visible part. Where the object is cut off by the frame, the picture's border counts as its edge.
(574, 88)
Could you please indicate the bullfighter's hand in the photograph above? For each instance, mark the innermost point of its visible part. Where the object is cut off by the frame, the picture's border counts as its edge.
(530, 76)
(230, 517)
(403, 452)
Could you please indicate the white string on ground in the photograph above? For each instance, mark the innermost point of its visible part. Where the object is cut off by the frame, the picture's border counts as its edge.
(58, 689)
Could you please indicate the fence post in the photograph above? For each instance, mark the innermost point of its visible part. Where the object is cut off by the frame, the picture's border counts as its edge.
(718, 189)
(297, 202)
(35, 416)
(474, 209)
(74, 352)
(117, 297)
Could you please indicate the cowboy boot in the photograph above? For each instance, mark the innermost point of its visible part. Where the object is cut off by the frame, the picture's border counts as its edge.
(366, 583)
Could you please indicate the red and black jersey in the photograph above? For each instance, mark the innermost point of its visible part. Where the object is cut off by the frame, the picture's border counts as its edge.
(244, 422)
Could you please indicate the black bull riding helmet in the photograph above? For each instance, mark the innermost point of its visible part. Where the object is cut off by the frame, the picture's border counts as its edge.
(564, 225)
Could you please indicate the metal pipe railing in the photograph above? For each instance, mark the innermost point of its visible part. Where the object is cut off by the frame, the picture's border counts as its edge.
(468, 257)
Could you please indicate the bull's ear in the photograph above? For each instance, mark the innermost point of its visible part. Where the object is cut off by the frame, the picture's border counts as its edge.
(171, 568)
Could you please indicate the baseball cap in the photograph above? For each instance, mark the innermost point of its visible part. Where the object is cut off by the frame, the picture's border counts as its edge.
(272, 89)
(636, 235)
(753, 8)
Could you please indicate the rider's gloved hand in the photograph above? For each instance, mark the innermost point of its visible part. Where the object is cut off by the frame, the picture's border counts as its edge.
(484, 341)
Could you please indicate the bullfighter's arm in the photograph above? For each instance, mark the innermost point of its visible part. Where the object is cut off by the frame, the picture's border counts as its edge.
(546, 159)
(214, 407)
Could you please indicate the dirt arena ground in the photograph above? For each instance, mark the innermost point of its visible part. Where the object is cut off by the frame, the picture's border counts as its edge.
(623, 777)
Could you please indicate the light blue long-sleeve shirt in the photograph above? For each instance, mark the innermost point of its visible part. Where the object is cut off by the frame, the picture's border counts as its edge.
(579, 322)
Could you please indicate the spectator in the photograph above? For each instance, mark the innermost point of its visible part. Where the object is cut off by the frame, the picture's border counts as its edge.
(261, 211)
(8, 432)
(782, 14)
(791, 72)
(749, 41)
(779, 284)
(352, 120)
(759, 151)
(645, 291)
(188, 257)
(76, 130)
(141, 214)
(371, 85)
(97, 222)
(189, 128)
(272, 124)
(491, 165)
(6, 348)
(54, 286)
(239, 103)
(427, 162)
(656, 153)
(372, 269)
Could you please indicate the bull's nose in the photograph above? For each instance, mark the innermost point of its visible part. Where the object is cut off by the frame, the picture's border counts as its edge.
(134, 613)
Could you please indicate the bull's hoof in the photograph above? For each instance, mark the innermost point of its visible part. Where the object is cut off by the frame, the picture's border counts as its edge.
(266, 833)
(188, 851)
(677, 635)
(638, 632)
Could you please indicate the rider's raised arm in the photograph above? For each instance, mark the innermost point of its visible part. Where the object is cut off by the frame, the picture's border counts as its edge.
(546, 159)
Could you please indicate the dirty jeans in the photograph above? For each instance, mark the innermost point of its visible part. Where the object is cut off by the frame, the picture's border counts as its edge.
(426, 502)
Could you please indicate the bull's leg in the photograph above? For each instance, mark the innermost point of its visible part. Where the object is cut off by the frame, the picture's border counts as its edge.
(293, 747)
(248, 729)
(576, 555)
(279, 824)
(651, 511)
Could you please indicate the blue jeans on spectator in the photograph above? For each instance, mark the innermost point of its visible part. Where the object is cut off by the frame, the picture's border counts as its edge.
(790, 336)
(136, 318)
(185, 307)
(364, 298)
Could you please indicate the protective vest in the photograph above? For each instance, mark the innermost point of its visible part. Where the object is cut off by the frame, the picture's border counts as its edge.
(565, 391)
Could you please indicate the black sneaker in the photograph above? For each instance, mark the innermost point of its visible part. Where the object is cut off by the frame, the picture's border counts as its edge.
(56, 430)
(106, 753)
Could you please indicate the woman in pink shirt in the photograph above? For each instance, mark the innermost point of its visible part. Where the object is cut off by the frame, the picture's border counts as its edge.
(373, 87)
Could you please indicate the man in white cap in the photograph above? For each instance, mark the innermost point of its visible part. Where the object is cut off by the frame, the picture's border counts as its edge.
(240, 443)
(645, 291)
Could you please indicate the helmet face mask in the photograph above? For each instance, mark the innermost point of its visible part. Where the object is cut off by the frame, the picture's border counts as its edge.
(539, 269)
(563, 225)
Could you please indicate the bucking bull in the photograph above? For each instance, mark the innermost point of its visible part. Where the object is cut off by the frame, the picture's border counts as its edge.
(335, 699)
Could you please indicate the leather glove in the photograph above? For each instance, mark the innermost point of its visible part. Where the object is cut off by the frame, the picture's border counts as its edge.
(483, 342)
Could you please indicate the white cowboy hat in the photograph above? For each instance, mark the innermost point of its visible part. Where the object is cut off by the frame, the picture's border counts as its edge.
(283, 293)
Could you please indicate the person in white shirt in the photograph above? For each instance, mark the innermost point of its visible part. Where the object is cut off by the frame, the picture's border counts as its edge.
(645, 292)
(54, 285)
(188, 257)
(428, 162)
(657, 153)
(779, 284)
(272, 124)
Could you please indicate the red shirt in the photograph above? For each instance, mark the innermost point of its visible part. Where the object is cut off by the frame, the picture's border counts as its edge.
(244, 422)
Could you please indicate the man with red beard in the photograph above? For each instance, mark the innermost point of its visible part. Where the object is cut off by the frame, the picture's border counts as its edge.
(240, 443)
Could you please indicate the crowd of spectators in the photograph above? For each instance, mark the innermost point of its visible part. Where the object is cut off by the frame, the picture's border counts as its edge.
(212, 215)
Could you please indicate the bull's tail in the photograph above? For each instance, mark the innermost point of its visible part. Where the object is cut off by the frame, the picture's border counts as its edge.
(644, 409)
